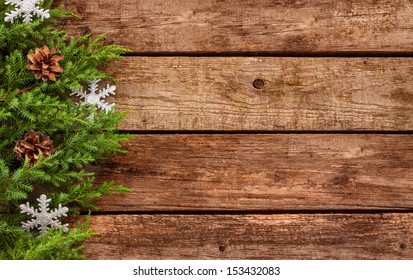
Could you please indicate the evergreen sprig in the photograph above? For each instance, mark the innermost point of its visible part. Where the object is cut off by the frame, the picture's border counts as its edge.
(81, 134)
(54, 245)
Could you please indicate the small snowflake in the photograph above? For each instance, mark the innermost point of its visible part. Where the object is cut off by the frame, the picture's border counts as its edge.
(42, 217)
(25, 9)
(96, 97)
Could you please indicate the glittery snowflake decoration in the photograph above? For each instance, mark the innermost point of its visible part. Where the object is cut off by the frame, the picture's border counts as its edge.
(96, 97)
(43, 218)
(25, 9)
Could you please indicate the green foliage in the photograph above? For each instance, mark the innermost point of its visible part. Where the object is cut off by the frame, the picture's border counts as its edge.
(81, 134)
(19, 244)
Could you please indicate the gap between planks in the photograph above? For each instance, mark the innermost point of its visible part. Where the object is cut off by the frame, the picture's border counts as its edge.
(253, 212)
(266, 132)
(353, 54)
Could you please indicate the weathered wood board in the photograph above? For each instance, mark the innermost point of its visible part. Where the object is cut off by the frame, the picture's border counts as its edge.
(266, 26)
(218, 93)
(262, 172)
(284, 236)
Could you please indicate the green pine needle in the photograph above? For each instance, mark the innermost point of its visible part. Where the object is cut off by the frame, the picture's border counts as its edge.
(82, 135)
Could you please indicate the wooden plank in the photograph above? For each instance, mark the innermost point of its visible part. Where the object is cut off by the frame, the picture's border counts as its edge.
(218, 93)
(262, 172)
(293, 236)
(309, 26)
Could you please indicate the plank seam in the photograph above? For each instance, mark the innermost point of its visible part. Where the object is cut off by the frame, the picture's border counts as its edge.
(354, 54)
(282, 132)
(255, 212)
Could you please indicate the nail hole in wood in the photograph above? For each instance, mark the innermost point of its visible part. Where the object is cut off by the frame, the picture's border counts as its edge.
(258, 83)
(403, 246)
(222, 248)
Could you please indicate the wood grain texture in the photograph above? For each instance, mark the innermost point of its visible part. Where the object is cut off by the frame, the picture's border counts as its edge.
(264, 186)
(218, 93)
(283, 26)
(293, 236)
(262, 172)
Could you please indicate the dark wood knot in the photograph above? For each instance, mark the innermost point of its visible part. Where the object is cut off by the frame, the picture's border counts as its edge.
(258, 83)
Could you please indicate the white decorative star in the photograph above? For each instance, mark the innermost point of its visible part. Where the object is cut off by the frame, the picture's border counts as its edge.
(96, 97)
(43, 218)
(25, 9)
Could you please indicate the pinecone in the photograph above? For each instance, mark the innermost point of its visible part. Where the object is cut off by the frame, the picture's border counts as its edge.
(45, 63)
(31, 146)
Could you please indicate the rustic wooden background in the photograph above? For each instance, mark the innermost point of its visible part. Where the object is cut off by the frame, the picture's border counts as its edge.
(271, 129)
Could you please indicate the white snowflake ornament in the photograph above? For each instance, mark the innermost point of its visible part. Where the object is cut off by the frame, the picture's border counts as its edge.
(25, 9)
(96, 97)
(42, 218)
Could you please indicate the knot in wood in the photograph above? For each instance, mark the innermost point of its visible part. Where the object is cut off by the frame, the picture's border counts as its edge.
(258, 83)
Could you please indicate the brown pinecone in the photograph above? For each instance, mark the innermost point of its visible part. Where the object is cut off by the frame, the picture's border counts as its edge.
(45, 63)
(31, 146)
